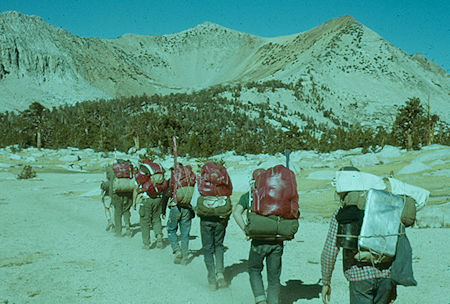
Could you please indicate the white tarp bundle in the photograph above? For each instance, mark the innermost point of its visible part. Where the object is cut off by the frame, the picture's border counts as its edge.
(357, 181)
(420, 195)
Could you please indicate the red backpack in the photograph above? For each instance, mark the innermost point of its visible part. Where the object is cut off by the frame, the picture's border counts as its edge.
(182, 176)
(275, 193)
(123, 169)
(144, 179)
(153, 189)
(214, 181)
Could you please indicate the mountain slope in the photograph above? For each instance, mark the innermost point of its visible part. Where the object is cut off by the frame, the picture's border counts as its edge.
(340, 66)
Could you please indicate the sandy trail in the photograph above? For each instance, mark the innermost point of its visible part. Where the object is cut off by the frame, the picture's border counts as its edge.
(54, 250)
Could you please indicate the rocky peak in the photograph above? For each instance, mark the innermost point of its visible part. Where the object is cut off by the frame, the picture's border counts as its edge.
(338, 64)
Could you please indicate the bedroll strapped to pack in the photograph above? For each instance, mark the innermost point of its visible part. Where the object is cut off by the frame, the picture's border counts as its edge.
(123, 168)
(123, 185)
(275, 193)
(270, 227)
(214, 181)
(214, 206)
(184, 195)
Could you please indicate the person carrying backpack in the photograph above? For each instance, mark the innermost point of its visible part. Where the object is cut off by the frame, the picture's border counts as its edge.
(213, 206)
(150, 194)
(273, 218)
(121, 192)
(182, 181)
(368, 255)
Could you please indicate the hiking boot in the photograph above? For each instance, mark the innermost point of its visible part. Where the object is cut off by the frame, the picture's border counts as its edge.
(184, 260)
(128, 233)
(159, 242)
(212, 286)
(146, 247)
(178, 257)
(109, 225)
(221, 280)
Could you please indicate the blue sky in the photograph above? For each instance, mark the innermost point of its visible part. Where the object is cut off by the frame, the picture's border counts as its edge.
(414, 25)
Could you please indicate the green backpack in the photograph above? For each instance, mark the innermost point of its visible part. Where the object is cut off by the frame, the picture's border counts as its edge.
(214, 206)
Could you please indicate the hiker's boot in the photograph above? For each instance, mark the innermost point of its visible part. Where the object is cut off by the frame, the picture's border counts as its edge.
(184, 259)
(109, 225)
(221, 280)
(128, 232)
(159, 241)
(177, 257)
(212, 285)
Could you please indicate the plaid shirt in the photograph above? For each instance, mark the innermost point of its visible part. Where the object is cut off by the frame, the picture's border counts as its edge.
(329, 255)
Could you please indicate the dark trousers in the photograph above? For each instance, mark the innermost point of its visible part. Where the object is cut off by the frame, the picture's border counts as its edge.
(213, 234)
(373, 291)
(272, 253)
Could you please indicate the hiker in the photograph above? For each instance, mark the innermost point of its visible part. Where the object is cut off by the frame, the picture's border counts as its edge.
(121, 187)
(273, 218)
(150, 192)
(367, 268)
(106, 200)
(181, 183)
(213, 206)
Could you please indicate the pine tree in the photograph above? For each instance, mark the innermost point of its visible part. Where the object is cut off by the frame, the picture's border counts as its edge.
(410, 126)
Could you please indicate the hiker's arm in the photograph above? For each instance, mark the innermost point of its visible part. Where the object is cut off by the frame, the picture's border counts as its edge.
(326, 293)
(238, 210)
(164, 201)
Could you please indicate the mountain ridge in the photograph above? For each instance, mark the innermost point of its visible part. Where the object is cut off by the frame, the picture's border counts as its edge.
(336, 65)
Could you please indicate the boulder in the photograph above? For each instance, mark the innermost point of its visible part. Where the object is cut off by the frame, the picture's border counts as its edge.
(434, 216)
(364, 160)
(414, 167)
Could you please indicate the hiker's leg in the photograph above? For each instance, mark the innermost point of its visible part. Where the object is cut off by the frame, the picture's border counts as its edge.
(207, 234)
(362, 292)
(156, 216)
(127, 214)
(386, 291)
(144, 219)
(118, 204)
(172, 227)
(273, 262)
(219, 236)
(255, 266)
(185, 229)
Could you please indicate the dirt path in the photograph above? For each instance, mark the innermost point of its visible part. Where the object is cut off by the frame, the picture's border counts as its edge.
(54, 250)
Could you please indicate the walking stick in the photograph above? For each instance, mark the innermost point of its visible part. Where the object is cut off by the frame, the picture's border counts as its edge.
(175, 169)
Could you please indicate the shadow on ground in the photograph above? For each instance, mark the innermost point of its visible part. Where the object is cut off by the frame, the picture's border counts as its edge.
(295, 290)
(235, 269)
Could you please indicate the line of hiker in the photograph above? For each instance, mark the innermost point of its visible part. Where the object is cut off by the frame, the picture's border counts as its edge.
(369, 225)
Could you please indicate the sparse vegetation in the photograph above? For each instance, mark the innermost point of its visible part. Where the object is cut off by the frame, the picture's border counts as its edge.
(207, 124)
